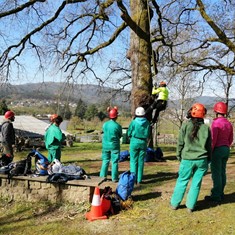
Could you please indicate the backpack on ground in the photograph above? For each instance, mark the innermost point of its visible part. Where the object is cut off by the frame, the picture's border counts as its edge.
(159, 155)
(5, 160)
(125, 185)
(154, 155)
(150, 155)
(57, 178)
(22, 167)
(6, 169)
(110, 202)
(124, 156)
(72, 171)
(41, 163)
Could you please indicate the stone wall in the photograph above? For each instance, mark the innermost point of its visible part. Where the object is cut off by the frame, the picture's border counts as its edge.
(25, 188)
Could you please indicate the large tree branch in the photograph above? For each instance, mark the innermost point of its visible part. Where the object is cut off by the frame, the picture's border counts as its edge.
(126, 17)
(23, 41)
(20, 8)
(211, 67)
(219, 32)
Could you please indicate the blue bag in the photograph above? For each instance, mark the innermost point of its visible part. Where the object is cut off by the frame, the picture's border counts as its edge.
(125, 185)
(159, 155)
(124, 155)
(41, 163)
(150, 155)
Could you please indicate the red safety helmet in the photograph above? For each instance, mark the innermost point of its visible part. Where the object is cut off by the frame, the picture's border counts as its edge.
(198, 110)
(9, 114)
(113, 113)
(53, 117)
(221, 107)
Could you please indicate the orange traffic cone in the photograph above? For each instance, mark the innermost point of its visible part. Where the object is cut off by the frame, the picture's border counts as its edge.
(96, 209)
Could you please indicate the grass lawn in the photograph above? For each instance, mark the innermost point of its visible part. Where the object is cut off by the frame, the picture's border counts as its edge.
(150, 214)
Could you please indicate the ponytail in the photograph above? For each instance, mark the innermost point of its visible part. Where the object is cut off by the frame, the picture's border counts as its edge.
(196, 126)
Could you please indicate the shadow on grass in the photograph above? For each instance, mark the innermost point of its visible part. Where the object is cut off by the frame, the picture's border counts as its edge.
(146, 196)
(159, 177)
(16, 217)
(76, 162)
(170, 158)
(148, 179)
(203, 204)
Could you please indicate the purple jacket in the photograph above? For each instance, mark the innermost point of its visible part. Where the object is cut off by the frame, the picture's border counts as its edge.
(221, 132)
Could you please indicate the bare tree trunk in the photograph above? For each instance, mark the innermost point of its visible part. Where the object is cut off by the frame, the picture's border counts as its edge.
(140, 55)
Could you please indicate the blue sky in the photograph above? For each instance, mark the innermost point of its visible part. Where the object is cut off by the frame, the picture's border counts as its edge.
(12, 30)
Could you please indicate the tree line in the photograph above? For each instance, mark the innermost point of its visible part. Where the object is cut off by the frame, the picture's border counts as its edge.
(83, 111)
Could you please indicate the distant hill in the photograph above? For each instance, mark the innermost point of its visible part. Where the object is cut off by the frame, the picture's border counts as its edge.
(208, 101)
(91, 94)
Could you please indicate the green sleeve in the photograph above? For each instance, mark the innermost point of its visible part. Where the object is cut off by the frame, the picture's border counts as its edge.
(209, 145)
(180, 143)
(120, 131)
(129, 131)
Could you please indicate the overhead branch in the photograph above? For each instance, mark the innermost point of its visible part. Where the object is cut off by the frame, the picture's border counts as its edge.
(20, 8)
(162, 37)
(81, 55)
(74, 1)
(127, 18)
(219, 32)
(211, 67)
(23, 41)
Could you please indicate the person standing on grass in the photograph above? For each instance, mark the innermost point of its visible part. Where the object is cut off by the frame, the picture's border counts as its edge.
(222, 139)
(8, 134)
(112, 132)
(138, 132)
(194, 153)
(54, 139)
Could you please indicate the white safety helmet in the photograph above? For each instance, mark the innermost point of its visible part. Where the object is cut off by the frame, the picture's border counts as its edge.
(140, 111)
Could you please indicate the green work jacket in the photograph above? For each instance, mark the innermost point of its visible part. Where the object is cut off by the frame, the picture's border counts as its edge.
(199, 148)
(112, 132)
(54, 137)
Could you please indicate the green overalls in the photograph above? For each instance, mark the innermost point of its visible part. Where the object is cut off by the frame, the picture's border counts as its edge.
(112, 132)
(138, 132)
(193, 156)
(53, 140)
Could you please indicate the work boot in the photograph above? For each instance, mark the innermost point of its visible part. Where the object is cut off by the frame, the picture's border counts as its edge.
(190, 210)
(211, 199)
(174, 207)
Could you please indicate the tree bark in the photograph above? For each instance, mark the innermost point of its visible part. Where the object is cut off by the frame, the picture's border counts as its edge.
(140, 55)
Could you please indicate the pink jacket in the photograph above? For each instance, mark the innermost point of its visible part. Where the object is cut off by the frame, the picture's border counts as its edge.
(221, 132)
